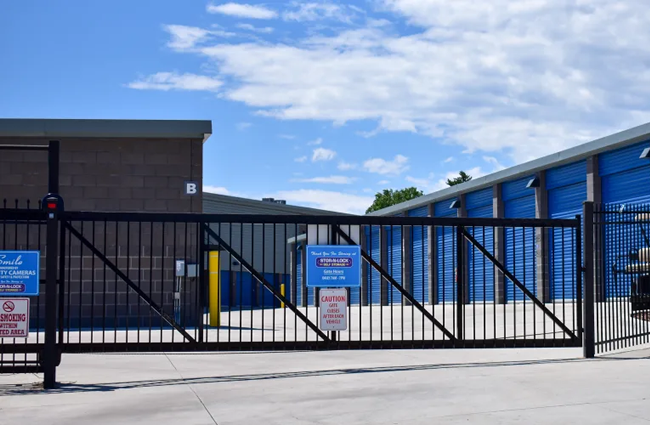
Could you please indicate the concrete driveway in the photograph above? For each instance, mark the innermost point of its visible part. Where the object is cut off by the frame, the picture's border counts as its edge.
(527, 386)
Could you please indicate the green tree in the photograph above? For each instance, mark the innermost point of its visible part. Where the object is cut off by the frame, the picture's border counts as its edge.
(462, 178)
(389, 197)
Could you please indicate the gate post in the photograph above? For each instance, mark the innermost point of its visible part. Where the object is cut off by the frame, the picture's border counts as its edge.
(52, 204)
(588, 336)
(460, 281)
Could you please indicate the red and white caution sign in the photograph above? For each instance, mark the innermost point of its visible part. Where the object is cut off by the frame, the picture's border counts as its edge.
(334, 309)
(14, 317)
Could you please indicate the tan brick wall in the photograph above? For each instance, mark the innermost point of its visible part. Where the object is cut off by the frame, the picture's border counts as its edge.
(107, 174)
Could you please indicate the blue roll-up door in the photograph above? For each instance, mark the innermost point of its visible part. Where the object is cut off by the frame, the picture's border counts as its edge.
(394, 234)
(567, 191)
(373, 240)
(446, 254)
(420, 257)
(244, 290)
(299, 278)
(224, 284)
(481, 270)
(625, 184)
(519, 202)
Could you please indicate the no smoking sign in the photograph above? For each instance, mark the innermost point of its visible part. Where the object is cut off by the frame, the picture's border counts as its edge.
(8, 306)
(14, 318)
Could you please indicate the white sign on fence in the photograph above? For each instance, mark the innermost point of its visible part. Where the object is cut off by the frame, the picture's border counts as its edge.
(334, 309)
(14, 317)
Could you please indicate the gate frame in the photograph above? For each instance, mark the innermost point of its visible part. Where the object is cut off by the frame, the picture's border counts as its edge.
(50, 357)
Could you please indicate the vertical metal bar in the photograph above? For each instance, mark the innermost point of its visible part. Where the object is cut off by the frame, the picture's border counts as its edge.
(51, 259)
(162, 280)
(62, 255)
(139, 274)
(577, 273)
(525, 273)
(588, 310)
(117, 251)
(460, 280)
(202, 279)
(92, 285)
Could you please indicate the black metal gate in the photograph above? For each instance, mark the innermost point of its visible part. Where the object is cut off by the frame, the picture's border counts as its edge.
(621, 254)
(119, 289)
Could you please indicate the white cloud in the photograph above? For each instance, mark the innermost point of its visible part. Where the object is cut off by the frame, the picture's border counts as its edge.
(345, 166)
(382, 166)
(217, 189)
(172, 81)
(315, 142)
(186, 38)
(322, 154)
(528, 78)
(317, 11)
(368, 190)
(383, 182)
(243, 125)
(328, 180)
(495, 162)
(253, 28)
(327, 200)
(287, 136)
(301, 159)
(242, 11)
(448, 160)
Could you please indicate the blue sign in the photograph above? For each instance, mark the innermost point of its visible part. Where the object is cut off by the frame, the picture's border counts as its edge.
(19, 272)
(333, 266)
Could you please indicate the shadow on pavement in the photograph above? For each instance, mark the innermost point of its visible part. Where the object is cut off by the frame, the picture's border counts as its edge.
(64, 388)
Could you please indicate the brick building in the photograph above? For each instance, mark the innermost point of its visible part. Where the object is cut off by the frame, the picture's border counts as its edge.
(108, 166)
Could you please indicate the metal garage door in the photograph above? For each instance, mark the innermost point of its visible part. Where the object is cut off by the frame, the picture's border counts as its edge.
(567, 190)
(373, 240)
(446, 254)
(481, 270)
(299, 278)
(420, 257)
(519, 202)
(394, 234)
(625, 179)
(224, 285)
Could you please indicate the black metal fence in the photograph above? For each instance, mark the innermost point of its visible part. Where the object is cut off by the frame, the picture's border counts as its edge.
(622, 275)
(22, 228)
(425, 282)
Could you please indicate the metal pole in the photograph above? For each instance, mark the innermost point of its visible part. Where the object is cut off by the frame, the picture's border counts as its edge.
(50, 355)
(51, 262)
(588, 343)
(460, 281)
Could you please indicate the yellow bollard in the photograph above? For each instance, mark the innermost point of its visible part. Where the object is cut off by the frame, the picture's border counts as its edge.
(215, 289)
(283, 294)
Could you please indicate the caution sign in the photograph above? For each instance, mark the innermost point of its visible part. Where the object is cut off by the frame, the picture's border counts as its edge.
(14, 317)
(334, 309)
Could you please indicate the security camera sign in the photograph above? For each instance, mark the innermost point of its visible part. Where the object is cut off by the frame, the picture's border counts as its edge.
(14, 317)
(19, 273)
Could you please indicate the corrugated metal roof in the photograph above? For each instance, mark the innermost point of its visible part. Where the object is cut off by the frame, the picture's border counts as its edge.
(223, 204)
(29, 127)
(621, 139)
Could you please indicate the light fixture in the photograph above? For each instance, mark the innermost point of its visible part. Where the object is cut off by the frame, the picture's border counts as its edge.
(645, 154)
(455, 204)
(534, 182)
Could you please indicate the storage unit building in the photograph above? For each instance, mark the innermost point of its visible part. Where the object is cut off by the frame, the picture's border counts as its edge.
(613, 170)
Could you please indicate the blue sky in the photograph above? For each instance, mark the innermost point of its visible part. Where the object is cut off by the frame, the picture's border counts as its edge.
(325, 103)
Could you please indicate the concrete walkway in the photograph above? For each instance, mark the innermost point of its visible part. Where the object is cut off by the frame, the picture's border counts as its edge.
(533, 386)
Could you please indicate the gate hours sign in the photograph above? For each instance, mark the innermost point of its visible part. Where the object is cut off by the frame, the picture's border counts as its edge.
(333, 265)
(19, 272)
(334, 309)
(14, 318)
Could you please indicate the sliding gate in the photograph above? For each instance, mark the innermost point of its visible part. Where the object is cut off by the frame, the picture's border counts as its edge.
(189, 282)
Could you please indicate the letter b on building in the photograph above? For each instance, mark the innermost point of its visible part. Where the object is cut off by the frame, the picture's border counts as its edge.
(191, 188)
